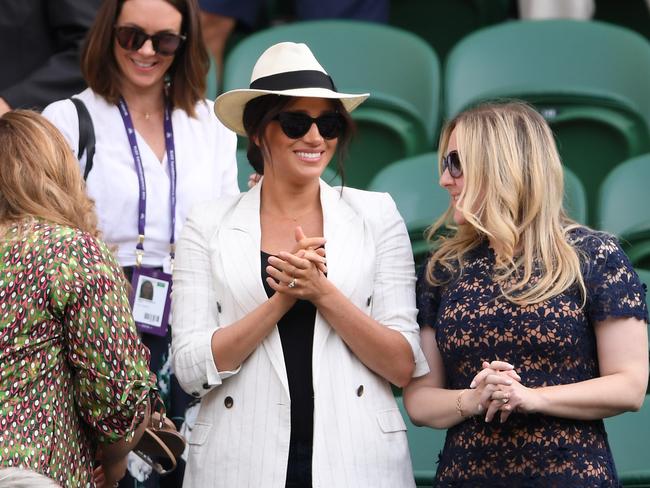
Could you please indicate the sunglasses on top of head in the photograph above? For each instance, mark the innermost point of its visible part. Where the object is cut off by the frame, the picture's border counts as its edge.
(132, 38)
(297, 124)
(452, 162)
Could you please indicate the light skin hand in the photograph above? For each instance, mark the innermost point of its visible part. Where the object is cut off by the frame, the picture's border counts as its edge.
(253, 180)
(311, 282)
(519, 398)
(316, 244)
(492, 368)
(493, 376)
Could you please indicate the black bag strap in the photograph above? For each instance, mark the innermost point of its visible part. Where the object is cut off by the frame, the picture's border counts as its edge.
(86, 135)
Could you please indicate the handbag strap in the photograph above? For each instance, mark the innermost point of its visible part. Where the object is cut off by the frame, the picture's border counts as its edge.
(155, 465)
(86, 135)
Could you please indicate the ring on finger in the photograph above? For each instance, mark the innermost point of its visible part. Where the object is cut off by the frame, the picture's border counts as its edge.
(292, 283)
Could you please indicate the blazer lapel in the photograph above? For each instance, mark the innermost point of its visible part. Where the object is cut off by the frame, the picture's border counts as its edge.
(240, 243)
(344, 230)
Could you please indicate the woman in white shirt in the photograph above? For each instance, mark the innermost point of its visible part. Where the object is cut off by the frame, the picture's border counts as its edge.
(292, 341)
(159, 148)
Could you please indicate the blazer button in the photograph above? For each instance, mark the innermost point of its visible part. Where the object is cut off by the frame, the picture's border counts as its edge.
(196, 394)
(228, 401)
(206, 386)
(360, 390)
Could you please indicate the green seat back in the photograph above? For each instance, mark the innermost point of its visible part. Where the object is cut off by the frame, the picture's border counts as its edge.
(244, 170)
(211, 81)
(624, 207)
(575, 197)
(589, 79)
(425, 444)
(624, 199)
(413, 184)
(628, 435)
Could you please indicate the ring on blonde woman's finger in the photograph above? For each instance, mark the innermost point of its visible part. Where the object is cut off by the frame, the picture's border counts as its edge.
(292, 283)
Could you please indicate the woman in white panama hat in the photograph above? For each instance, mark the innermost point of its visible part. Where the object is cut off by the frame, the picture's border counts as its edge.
(293, 341)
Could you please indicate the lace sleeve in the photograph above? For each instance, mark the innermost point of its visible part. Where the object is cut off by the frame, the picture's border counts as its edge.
(613, 287)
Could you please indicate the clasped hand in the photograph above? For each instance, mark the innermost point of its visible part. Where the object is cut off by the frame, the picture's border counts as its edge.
(301, 272)
(498, 390)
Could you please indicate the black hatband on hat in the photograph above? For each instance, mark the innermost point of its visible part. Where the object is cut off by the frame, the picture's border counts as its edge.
(292, 80)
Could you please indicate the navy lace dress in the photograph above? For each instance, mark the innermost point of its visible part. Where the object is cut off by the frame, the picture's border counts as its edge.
(551, 343)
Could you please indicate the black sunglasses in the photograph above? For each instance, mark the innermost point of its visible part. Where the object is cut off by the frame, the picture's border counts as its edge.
(132, 39)
(297, 124)
(452, 162)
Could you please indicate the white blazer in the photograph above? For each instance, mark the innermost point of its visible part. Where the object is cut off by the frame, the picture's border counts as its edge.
(241, 436)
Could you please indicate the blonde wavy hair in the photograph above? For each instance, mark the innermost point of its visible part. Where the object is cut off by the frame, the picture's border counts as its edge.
(512, 195)
(39, 175)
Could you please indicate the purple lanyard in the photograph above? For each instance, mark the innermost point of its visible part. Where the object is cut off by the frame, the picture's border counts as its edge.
(139, 169)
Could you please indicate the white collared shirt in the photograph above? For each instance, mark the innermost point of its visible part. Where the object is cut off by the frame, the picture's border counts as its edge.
(205, 165)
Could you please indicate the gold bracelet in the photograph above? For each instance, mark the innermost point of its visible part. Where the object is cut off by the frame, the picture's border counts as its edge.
(459, 407)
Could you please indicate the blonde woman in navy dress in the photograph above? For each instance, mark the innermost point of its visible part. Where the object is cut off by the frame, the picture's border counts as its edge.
(534, 326)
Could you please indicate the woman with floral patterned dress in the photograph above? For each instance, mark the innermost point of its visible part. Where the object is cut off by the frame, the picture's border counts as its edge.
(533, 325)
(74, 381)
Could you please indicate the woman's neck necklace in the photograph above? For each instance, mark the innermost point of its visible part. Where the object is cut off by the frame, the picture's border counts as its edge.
(293, 218)
(145, 107)
(146, 115)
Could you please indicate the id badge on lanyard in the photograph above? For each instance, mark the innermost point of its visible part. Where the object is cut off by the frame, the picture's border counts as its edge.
(151, 296)
(151, 299)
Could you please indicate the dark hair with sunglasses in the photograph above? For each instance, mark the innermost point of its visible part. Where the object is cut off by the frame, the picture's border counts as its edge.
(188, 71)
(261, 111)
(452, 162)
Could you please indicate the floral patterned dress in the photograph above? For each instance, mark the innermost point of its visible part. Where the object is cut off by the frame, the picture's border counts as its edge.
(73, 372)
(550, 343)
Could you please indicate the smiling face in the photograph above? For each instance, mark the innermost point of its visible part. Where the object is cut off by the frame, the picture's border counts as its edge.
(306, 157)
(453, 185)
(144, 69)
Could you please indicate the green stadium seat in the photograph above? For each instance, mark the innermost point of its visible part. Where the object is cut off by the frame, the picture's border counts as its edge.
(624, 207)
(575, 197)
(413, 184)
(400, 70)
(425, 444)
(589, 79)
(211, 81)
(628, 435)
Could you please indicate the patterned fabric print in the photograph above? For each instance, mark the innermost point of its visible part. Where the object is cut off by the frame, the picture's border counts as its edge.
(73, 372)
(550, 343)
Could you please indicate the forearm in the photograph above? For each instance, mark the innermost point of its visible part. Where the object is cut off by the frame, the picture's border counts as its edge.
(436, 407)
(231, 345)
(592, 399)
(383, 350)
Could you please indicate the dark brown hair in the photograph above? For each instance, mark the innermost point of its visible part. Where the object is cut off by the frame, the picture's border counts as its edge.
(261, 111)
(187, 72)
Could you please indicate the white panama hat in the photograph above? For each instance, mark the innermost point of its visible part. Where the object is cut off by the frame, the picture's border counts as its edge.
(287, 69)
